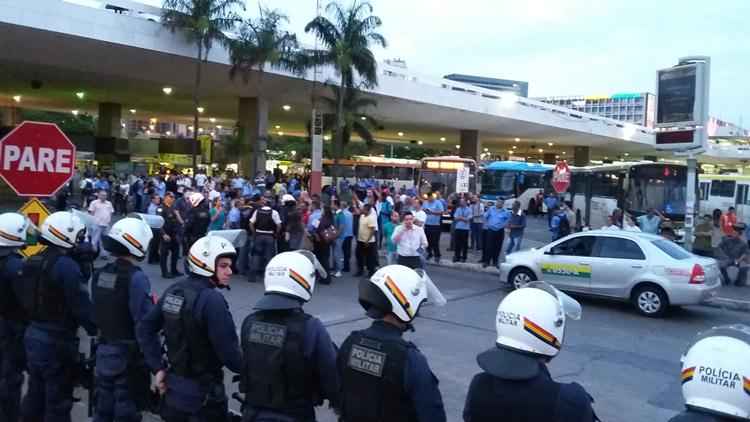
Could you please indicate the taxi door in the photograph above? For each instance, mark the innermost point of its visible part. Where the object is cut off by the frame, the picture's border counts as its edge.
(566, 265)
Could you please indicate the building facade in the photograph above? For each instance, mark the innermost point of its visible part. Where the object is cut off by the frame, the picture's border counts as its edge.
(637, 108)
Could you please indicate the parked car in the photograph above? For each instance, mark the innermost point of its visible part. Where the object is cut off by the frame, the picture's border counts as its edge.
(647, 270)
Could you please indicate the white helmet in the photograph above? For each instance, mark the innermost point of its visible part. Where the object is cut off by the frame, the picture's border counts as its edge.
(63, 229)
(13, 228)
(204, 253)
(130, 233)
(532, 319)
(196, 198)
(398, 290)
(716, 372)
(291, 273)
(287, 198)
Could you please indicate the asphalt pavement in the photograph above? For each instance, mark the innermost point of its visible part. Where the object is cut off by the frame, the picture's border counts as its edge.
(628, 363)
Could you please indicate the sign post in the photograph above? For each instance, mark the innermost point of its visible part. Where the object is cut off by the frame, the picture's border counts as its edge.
(682, 93)
(561, 177)
(462, 180)
(316, 173)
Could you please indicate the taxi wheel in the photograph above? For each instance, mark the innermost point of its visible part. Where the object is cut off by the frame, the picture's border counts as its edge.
(521, 277)
(651, 301)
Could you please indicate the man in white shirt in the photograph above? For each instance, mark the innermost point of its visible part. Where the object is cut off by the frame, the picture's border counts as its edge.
(102, 211)
(200, 180)
(419, 215)
(410, 240)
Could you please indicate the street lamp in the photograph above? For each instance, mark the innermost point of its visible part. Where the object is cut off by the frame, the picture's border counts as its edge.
(167, 90)
(17, 98)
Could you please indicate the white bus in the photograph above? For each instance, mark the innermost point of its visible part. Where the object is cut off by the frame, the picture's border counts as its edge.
(397, 172)
(721, 191)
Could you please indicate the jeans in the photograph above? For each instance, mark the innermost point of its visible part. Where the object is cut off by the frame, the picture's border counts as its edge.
(96, 237)
(347, 249)
(264, 248)
(391, 258)
(741, 275)
(338, 254)
(243, 255)
(322, 251)
(153, 247)
(514, 242)
(413, 262)
(432, 233)
(476, 236)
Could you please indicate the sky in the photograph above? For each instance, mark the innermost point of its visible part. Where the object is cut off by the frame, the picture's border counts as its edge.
(562, 47)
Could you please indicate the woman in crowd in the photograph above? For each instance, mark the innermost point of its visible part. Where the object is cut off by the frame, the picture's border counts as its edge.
(321, 245)
(218, 215)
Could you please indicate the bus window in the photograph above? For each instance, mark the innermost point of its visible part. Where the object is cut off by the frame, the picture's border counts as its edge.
(347, 171)
(385, 173)
(723, 188)
(363, 172)
(498, 183)
(605, 184)
(704, 186)
(327, 169)
(742, 196)
(404, 173)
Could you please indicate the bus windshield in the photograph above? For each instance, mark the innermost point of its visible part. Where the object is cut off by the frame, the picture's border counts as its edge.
(661, 187)
(499, 182)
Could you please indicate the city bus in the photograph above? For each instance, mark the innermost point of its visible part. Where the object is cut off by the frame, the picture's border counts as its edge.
(396, 172)
(723, 191)
(635, 187)
(511, 180)
(439, 174)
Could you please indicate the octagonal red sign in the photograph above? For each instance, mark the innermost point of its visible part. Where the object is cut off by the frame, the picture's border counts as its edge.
(561, 177)
(36, 159)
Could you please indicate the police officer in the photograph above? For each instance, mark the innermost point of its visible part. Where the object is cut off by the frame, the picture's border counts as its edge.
(200, 334)
(55, 297)
(121, 298)
(289, 363)
(170, 232)
(198, 219)
(720, 354)
(384, 377)
(265, 225)
(13, 321)
(288, 206)
(516, 384)
(246, 211)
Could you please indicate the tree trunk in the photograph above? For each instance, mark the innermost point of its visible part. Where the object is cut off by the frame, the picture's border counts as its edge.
(339, 141)
(196, 104)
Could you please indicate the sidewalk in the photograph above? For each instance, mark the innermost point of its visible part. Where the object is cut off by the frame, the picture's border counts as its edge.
(537, 235)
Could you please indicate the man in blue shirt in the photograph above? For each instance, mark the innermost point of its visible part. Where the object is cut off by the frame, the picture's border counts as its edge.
(462, 221)
(496, 218)
(551, 203)
(342, 249)
(516, 225)
(432, 227)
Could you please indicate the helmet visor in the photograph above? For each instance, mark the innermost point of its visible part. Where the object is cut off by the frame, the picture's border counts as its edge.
(318, 267)
(434, 295)
(156, 222)
(237, 237)
(569, 306)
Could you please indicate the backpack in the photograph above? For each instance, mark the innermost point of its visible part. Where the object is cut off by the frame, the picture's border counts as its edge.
(564, 226)
(329, 235)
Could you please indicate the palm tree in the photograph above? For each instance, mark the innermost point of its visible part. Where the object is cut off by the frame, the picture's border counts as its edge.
(346, 46)
(203, 22)
(263, 42)
(356, 119)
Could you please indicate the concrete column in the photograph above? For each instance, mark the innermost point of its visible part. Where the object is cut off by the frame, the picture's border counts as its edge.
(471, 145)
(582, 156)
(9, 116)
(109, 123)
(252, 119)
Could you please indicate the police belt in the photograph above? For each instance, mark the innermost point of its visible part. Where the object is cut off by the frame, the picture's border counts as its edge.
(264, 233)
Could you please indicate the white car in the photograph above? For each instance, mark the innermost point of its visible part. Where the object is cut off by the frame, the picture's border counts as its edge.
(647, 270)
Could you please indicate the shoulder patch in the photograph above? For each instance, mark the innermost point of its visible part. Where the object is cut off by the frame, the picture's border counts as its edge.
(273, 335)
(367, 360)
(173, 304)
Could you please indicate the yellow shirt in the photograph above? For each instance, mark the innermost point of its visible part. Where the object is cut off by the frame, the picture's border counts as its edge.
(367, 225)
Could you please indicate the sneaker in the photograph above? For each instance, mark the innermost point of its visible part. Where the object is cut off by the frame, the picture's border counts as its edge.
(338, 274)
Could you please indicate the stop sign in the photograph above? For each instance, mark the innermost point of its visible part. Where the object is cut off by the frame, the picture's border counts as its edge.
(36, 159)
(561, 177)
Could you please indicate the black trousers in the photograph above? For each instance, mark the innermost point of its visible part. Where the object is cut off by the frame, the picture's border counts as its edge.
(462, 244)
(322, 251)
(347, 247)
(366, 256)
(433, 240)
(413, 262)
(153, 247)
(172, 248)
(493, 244)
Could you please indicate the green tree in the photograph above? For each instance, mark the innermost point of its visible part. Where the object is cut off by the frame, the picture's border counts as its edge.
(263, 42)
(203, 22)
(346, 46)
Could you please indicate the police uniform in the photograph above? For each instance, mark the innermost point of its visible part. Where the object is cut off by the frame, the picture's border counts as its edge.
(171, 228)
(201, 338)
(13, 323)
(197, 223)
(386, 378)
(121, 293)
(243, 260)
(289, 362)
(696, 416)
(264, 242)
(55, 297)
(518, 388)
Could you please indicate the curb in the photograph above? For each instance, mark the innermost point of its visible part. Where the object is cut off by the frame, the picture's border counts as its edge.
(716, 302)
